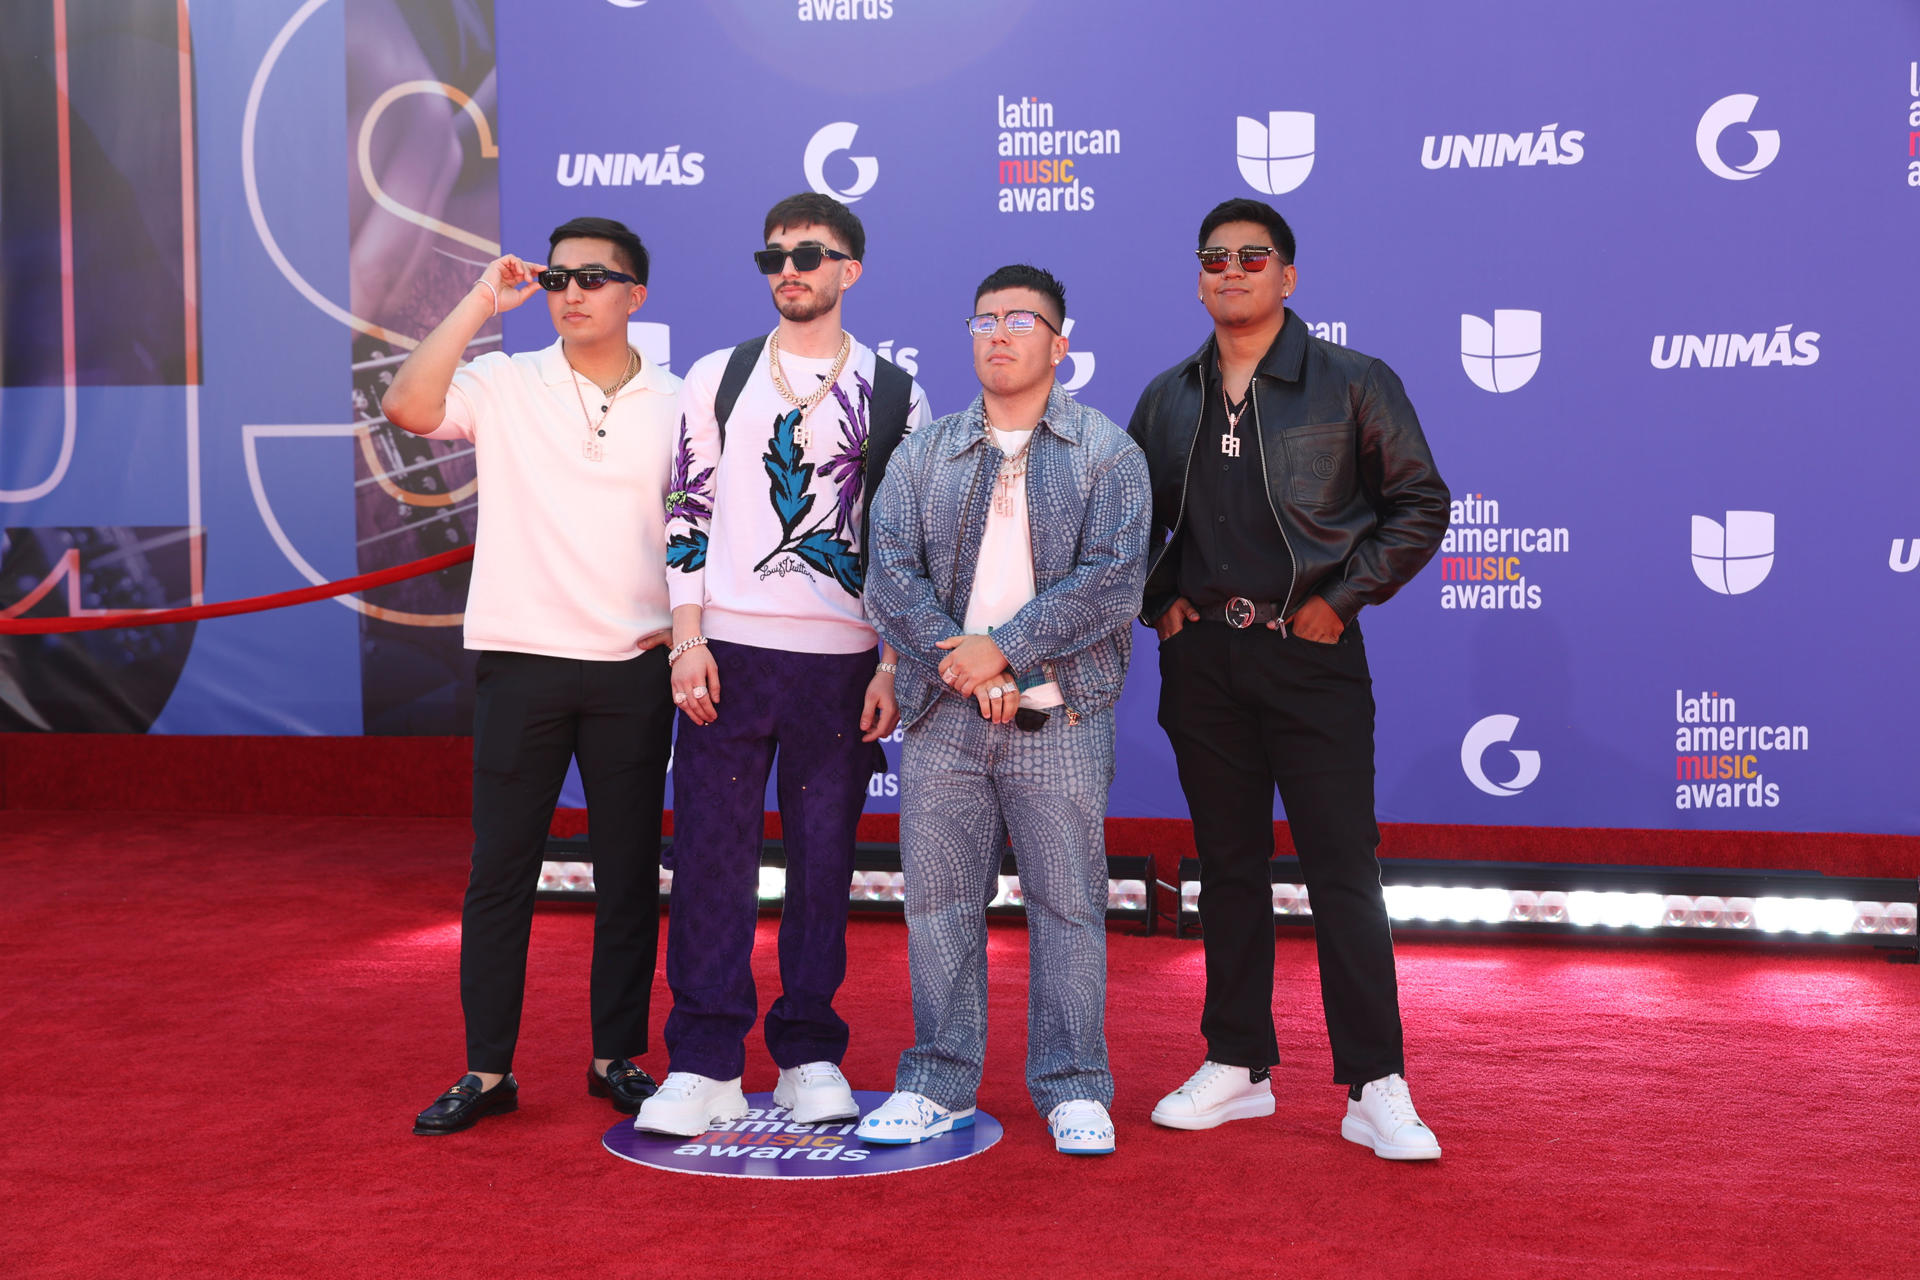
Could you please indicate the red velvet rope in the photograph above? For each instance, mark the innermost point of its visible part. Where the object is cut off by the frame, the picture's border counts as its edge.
(252, 604)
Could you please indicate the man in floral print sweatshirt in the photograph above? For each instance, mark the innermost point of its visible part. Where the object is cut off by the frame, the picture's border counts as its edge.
(782, 440)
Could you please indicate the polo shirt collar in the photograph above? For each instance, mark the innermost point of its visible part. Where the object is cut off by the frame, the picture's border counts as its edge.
(555, 371)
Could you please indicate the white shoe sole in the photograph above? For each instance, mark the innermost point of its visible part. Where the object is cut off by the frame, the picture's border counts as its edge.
(847, 1110)
(958, 1120)
(1355, 1129)
(718, 1111)
(1251, 1107)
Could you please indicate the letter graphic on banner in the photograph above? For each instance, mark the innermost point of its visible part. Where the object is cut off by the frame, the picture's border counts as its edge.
(1735, 558)
(1277, 156)
(1502, 355)
(653, 340)
(830, 140)
(1736, 108)
(1484, 734)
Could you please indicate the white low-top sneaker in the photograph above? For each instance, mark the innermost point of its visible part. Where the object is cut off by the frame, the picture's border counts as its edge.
(687, 1105)
(1383, 1118)
(815, 1092)
(1215, 1094)
(910, 1117)
(1081, 1127)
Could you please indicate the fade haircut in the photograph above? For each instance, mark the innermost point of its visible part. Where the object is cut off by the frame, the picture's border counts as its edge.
(626, 245)
(1020, 275)
(1242, 209)
(811, 209)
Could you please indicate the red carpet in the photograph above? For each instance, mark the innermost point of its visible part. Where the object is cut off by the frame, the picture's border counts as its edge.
(217, 1029)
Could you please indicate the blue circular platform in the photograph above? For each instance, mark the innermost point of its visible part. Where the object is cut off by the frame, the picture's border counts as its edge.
(766, 1144)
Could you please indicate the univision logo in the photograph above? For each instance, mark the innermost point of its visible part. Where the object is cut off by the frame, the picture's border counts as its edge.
(1473, 749)
(1734, 558)
(1735, 108)
(1501, 354)
(654, 342)
(1277, 156)
(830, 140)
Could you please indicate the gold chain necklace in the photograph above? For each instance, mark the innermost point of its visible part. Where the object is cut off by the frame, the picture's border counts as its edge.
(596, 431)
(802, 437)
(1011, 469)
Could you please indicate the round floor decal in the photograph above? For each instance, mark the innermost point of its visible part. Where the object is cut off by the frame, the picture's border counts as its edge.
(766, 1144)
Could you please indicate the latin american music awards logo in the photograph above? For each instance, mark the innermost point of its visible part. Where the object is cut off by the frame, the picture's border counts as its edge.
(765, 1143)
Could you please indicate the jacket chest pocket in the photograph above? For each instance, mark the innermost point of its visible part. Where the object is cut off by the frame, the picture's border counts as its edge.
(1320, 464)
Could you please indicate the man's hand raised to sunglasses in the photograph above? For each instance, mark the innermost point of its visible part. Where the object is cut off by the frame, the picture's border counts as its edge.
(513, 279)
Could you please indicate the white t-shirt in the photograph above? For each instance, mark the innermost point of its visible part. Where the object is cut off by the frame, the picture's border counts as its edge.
(1003, 575)
(765, 535)
(570, 557)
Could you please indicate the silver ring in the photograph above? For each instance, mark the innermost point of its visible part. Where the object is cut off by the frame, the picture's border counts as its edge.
(679, 696)
(947, 675)
(997, 691)
(699, 691)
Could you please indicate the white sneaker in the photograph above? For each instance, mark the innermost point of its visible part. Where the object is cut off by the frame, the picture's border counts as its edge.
(1081, 1127)
(1215, 1094)
(687, 1105)
(815, 1092)
(1383, 1118)
(910, 1117)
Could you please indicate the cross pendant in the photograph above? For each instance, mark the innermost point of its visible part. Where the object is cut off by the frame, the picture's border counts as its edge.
(591, 450)
(1230, 445)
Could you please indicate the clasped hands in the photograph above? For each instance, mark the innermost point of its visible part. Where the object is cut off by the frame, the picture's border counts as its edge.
(975, 668)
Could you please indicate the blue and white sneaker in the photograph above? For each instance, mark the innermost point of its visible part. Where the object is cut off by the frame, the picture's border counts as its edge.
(1081, 1127)
(910, 1117)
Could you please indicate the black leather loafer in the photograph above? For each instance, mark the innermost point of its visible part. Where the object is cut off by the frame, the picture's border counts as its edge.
(625, 1083)
(466, 1104)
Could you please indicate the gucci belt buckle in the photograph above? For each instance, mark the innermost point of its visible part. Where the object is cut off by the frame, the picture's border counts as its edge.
(1239, 613)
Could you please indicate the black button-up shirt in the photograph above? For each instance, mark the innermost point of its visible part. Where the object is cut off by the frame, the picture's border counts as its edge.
(1230, 541)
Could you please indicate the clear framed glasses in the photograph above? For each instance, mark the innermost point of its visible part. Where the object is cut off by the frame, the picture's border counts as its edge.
(1017, 322)
(1249, 257)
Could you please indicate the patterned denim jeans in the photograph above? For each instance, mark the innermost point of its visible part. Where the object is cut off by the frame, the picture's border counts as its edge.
(965, 784)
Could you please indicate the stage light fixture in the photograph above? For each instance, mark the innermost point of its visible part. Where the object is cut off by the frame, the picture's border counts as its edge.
(1614, 901)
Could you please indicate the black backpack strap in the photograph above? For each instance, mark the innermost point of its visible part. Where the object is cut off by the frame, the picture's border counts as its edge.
(739, 369)
(886, 426)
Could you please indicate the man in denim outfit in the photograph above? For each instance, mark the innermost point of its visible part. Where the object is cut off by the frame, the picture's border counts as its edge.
(1008, 556)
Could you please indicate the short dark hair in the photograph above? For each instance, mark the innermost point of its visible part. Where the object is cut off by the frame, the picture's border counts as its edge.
(1241, 209)
(625, 243)
(811, 209)
(1020, 275)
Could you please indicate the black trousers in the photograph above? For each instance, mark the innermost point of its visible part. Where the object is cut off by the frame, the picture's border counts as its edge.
(1246, 711)
(531, 715)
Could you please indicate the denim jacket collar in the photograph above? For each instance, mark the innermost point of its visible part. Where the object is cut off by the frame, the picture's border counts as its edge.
(1060, 418)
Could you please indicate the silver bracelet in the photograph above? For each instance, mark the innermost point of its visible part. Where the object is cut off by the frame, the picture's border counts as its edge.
(891, 668)
(691, 642)
(490, 289)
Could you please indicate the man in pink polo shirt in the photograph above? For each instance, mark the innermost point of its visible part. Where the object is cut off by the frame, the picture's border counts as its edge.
(568, 608)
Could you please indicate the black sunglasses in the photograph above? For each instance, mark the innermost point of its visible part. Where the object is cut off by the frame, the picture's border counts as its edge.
(806, 257)
(1251, 257)
(554, 279)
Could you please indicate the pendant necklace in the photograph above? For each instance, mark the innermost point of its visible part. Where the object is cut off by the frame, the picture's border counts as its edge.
(1229, 440)
(596, 431)
(1011, 469)
(802, 435)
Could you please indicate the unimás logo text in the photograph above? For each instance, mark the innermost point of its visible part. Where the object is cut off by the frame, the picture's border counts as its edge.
(1040, 163)
(1905, 556)
(1276, 156)
(827, 142)
(1501, 354)
(1717, 762)
(1782, 347)
(1473, 752)
(1483, 562)
(1547, 145)
(1735, 557)
(627, 168)
(1735, 108)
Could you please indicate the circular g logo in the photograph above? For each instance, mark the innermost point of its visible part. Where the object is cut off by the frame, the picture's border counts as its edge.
(1483, 735)
(829, 140)
(1735, 108)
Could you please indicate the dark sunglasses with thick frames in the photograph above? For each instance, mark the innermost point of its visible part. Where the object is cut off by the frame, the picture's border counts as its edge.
(1017, 322)
(806, 257)
(1251, 257)
(554, 279)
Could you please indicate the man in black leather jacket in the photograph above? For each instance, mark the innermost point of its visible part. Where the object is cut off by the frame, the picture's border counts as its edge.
(1291, 487)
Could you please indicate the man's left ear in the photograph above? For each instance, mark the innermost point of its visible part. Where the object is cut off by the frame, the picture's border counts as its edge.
(850, 272)
(636, 297)
(1059, 347)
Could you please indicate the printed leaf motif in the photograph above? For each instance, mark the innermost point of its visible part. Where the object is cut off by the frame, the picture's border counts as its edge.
(687, 552)
(821, 550)
(788, 475)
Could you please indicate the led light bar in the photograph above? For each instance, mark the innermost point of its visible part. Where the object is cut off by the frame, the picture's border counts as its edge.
(1609, 900)
(877, 883)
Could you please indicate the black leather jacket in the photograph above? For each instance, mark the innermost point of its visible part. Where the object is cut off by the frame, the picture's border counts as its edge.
(1351, 481)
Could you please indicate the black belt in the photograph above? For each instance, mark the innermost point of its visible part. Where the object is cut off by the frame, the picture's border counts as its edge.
(1241, 613)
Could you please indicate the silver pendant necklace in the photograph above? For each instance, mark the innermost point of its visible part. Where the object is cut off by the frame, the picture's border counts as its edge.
(1230, 439)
